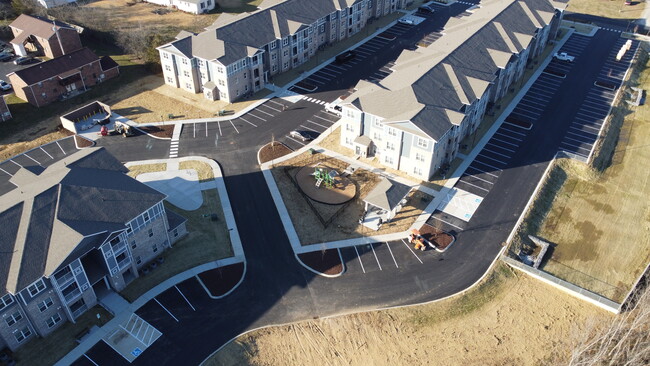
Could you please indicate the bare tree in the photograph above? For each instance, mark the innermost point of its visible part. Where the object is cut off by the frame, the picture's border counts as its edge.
(624, 341)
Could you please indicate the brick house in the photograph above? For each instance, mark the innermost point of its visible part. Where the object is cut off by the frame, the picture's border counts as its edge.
(73, 232)
(43, 37)
(62, 77)
(238, 54)
(5, 114)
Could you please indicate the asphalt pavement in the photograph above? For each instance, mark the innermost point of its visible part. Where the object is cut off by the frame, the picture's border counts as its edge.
(276, 288)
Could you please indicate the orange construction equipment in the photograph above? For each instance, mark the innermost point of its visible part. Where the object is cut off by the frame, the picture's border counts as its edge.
(417, 240)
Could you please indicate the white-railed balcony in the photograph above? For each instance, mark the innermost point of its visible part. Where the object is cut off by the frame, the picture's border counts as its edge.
(73, 295)
(64, 280)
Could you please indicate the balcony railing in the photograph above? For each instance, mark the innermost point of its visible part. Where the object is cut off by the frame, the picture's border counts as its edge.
(81, 310)
(72, 295)
(124, 262)
(65, 279)
(119, 248)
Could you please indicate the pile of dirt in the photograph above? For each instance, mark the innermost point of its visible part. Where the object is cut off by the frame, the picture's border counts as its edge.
(435, 236)
(165, 131)
(273, 150)
(327, 261)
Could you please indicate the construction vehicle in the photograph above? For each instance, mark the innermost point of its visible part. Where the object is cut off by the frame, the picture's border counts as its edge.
(123, 129)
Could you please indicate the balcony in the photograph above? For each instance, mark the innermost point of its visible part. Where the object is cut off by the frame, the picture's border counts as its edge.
(124, 263)
(62, 281)
(71, 296)
(119, 248)
(82, 309)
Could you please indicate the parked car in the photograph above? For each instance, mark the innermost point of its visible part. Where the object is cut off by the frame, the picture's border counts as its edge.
(406, 21)
(23, 60)
(345, 57)
(563, 56)
(4, 57)
(426, 9)
(334, 109)
(4, 86)
(301, 135)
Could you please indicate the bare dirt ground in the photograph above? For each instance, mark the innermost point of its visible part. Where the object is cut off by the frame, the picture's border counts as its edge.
(510, 320)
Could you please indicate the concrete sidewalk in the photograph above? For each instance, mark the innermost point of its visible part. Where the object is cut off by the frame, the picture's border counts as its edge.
(127, 310)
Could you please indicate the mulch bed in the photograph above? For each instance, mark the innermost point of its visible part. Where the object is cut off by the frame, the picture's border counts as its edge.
(306, 86)
(221, 280)
(165, 131)
(328, 262)
(272, 151)
(436, 236)
(83, 142)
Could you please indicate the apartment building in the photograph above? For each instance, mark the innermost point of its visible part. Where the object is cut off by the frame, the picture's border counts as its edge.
(415, 119)
(239, 54)
(72, 232)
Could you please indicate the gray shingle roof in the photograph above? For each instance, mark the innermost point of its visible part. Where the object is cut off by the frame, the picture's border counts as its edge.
(85, 194)
(56, 66)
(456, 70)
(387, 194)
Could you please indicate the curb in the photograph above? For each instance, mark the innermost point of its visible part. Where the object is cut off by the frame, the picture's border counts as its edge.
(321, 273)
(241, 280)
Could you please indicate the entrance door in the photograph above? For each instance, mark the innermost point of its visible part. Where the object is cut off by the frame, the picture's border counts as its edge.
(357, 150)
(71, 87)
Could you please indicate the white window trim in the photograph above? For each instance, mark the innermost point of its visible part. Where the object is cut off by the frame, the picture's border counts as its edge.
(35, 286)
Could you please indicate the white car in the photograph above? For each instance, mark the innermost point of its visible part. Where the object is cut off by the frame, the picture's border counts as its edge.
(4, 86)
(563, 56)
(406, 21)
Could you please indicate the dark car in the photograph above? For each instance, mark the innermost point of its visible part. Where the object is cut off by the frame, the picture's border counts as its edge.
(426, 9)
(301, 135)
(4, 57)
(23, 60)
(345, 57)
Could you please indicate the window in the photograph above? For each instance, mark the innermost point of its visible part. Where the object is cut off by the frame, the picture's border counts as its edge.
(274, 56)
(133, 245)
(377, 123)
(285, 41)
(186, 74)
(274, 68)
(13, 318)
(145, 216)
(306, 33)
(423, 143)
(138, 260)
(419, 157)
(392, 131)
(222, 83)
(42, 306)
(184, 61)
(188, 86)
(245, 88)
(285, 53)
(202, 5)
(169, 79)
(154, 248)
(53, 320)
(115, 240)
(175, 232)
(273, 45)
(22, 334)
(333, 16)
(165, 55)
(245, 75)
(322, 28)
(390, 146)
(5, 301)
(36, 288)
(220, 69)
(388, 160)
(417, 171)
(376, 136)
(349, 127)
(209, 2)
(150, 232)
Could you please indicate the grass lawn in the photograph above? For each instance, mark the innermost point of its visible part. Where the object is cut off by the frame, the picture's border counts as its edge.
(204, 170)
(601, 221)
(607, 8)
(345, 224)
(135, 170)
(48, 350)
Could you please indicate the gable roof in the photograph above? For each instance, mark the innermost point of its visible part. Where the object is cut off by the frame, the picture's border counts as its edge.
(38, 26)
(434, 84)
(387, 194)
(68, 203)
(56, 66)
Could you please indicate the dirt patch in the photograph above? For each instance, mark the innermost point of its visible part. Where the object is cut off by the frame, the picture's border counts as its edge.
(310, 180)
(12, 149)
(205, 171)
(325, 261)
(83, 142)
(273, 150)
(509, 320)
(436, 236)
(135, 170)
(165, 131)
(220, 280)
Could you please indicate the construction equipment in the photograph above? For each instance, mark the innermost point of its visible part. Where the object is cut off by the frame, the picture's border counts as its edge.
(416, 239)
(123, 129)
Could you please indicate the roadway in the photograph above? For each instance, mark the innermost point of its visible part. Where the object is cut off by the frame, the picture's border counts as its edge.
(276, 288)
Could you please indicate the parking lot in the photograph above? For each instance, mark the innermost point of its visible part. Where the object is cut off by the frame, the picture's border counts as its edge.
(162, 313)
(585, 127)
(385, 256)
(44, 156)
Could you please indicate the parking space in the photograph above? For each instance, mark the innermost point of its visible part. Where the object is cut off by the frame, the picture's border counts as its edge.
(585, 127)
(313, 127)
(446, 222)
(384, 256)
(101, 354)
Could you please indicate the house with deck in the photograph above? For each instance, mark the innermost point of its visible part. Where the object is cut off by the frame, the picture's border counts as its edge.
(415, 119)
(73, 232)
(43, 37)
(239, 54)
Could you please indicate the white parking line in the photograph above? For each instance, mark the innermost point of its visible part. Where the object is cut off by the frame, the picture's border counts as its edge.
(476, 177)
(269, 107)
(291, 138)
(505, 142)
(411, 250)
(57, 144)
(391, 254)
(506, 128)
(278, 103)
(206, 129)
(334, 73)
(48, 154)
(509, 137)
(6, 172)
(218, 124)
(486, 164)
(574, 145)
(487, 157)
(250, 123)
(36, 161)
(499, 147)
(377, 259)
(338, 67)
(317, 124)
(15, 163)
(359, 258)
(448, 223)
(188, 301)
(576, 140)
(261, 111)
(494, 152)
(251, 114)
(581, 134)
(473, 185)
(481, 171)
(90, 359)
(233, 126)
(168, 312)
(324, 78)
(593, 128)
(310, 129)
(577, 129)
(324, 119)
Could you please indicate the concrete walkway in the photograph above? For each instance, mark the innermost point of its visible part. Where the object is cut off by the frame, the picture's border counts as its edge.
(438, 196)
(125, 310)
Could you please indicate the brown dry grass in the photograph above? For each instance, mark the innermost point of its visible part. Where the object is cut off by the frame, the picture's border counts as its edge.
(141, 15)
(7, 150)
(508, 320)
(345, 225)
(136, 170)
(608, 8)
(204, 170)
